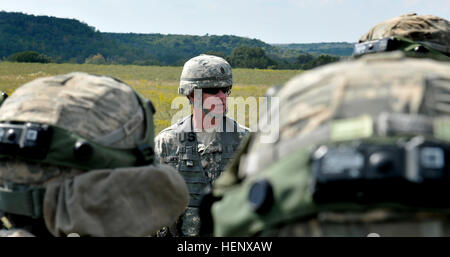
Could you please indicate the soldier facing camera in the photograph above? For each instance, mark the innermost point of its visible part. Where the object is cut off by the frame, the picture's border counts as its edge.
(200, 145)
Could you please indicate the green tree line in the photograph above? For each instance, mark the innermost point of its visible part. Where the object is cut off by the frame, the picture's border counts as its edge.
(43, 39)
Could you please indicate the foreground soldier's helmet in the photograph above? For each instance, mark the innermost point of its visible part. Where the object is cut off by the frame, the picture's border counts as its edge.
(205, 71)
(363, 148)
(76, 156)
(416, 35)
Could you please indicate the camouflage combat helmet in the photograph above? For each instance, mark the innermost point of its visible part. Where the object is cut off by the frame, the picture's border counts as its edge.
(68, 139)
(117, 125)
(419, 35)
(205, 71)
(357, 139)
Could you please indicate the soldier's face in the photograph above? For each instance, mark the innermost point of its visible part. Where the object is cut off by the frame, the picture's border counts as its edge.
(215, 102)
(218, 102)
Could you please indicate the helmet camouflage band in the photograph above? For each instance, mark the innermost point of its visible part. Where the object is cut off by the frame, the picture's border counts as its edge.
(429, 30)
(205, 71)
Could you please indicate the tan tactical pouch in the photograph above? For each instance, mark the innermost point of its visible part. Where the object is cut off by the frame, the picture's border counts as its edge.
(134, 201)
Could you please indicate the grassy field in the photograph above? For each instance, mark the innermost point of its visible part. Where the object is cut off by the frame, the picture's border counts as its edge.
(160, 84)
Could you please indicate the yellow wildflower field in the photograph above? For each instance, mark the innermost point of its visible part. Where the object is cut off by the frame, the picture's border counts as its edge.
(160, 84)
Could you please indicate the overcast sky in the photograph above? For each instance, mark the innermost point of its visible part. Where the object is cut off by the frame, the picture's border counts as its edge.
(272, 21)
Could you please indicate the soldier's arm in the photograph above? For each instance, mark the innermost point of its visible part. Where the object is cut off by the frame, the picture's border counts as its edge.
(164, 145)
(160, 150)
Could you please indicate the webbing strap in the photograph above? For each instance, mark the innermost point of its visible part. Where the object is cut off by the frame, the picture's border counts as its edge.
(28, 202)
(439, 47)
(385, 124)
(123, 131)
(410, 47)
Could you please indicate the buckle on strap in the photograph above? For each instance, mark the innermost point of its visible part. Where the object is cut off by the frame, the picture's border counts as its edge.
(144, 154)
(28, 202)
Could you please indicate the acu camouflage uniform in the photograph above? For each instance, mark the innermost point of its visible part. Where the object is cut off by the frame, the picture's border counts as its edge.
(200, 157)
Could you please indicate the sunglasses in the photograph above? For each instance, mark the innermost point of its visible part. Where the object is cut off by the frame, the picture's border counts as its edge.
(215, 90)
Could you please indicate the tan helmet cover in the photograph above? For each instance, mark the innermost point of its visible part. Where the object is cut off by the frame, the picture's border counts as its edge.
(432, 31)
(205, 71)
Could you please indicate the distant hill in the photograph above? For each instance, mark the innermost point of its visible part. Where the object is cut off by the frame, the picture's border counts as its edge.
(176, 49)
(69, 40)
(333, 48)
(61, 39)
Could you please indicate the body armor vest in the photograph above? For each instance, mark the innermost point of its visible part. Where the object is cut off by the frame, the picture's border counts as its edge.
(198, 165)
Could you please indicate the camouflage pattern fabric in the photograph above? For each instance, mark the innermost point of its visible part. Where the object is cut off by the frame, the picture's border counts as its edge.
(205, 71)
(72, 101)
(33, 173)
(429, 30)
(311, 103)
(130, 201)
(323, 95)
(189, 223)
(209, 157)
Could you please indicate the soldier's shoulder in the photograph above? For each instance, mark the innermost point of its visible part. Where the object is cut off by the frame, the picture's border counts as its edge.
(171, 132)
(168, 131)
(167, 134)
(243, 129)
(240, 128)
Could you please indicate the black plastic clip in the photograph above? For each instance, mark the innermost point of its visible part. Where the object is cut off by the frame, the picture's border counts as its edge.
(144, 155)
